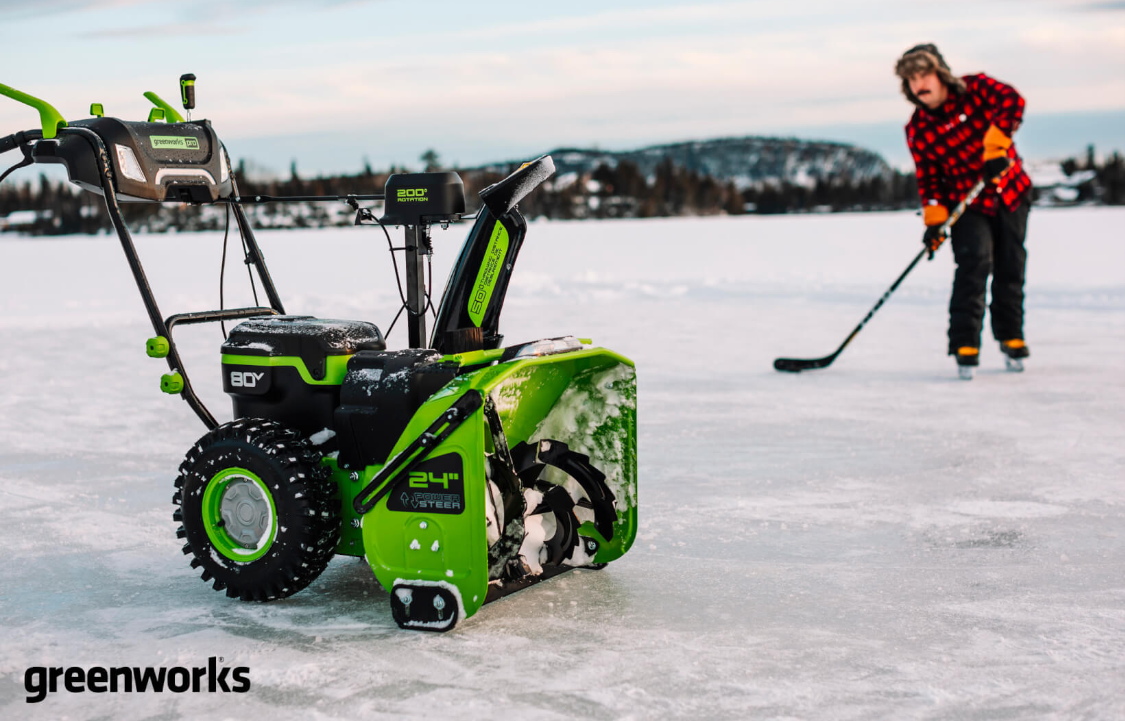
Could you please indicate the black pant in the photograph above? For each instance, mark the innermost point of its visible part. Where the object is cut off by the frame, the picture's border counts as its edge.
(984, 245)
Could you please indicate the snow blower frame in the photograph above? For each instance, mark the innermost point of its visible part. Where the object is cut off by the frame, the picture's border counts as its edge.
(461, 469)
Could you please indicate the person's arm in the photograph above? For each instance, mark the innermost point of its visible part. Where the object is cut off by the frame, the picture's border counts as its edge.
(931, 180)
(1004, 108)
(931, 189)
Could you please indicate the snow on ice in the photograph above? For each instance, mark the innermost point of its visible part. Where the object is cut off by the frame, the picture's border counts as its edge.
(877, 539)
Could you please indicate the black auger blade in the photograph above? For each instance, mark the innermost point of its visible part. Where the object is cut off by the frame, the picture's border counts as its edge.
(530, 459)
(561, 545)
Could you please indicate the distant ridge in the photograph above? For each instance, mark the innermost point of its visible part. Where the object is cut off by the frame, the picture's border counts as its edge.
(748, 162)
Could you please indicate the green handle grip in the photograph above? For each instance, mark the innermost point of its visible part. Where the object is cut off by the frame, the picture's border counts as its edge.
(172, 383)
(157, 347)
(49, 118)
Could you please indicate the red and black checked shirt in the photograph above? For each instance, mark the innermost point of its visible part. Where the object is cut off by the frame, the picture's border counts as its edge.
(947, 145)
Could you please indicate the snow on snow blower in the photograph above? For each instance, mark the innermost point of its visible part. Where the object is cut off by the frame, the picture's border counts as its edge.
(460, 468)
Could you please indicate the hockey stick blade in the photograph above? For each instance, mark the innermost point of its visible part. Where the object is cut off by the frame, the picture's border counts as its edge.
(796, 365)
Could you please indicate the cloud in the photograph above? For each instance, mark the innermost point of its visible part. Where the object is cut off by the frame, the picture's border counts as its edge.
(1110, 5)
(542, 75)
(20, 10)
(162, 30)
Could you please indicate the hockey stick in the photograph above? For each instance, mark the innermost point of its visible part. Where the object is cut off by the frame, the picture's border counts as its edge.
(796, 365)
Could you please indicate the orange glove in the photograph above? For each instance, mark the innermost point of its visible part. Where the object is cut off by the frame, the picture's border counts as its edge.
(934, 216)
(995, 157)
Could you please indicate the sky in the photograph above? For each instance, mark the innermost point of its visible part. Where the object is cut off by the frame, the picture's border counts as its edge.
(329, 83)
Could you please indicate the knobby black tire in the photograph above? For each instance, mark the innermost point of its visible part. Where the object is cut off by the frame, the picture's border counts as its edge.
(305, 499)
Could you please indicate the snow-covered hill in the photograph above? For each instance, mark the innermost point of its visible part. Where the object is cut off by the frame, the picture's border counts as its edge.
(747, 162)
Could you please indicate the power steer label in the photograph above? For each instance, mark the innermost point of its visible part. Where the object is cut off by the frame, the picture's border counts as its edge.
(434, 486)
(173, 142)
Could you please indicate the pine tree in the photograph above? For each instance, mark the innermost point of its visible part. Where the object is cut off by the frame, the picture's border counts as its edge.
(431, 161)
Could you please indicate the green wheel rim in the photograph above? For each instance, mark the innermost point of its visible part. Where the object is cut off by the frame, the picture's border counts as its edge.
(234, 480)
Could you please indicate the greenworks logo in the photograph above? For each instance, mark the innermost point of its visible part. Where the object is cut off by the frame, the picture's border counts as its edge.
(412, 195)
(174, 142)
(423, 479)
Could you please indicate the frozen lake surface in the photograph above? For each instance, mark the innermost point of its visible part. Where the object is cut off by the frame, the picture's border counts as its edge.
(875, 540)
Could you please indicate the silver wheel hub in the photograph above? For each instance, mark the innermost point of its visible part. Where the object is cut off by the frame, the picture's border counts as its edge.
(245, 512)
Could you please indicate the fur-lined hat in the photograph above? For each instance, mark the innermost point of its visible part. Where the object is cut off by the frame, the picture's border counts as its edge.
(923, 59)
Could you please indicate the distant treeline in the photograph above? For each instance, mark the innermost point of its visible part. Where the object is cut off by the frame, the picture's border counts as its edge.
(617, 191)
(1108, 183)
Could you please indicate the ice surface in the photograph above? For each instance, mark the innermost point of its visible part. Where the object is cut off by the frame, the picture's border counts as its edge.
(874, 540)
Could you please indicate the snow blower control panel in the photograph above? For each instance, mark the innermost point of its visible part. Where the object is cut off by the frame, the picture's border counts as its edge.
(152, 162)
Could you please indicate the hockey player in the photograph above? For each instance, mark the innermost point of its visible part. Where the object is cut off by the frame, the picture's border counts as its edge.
(962, 129)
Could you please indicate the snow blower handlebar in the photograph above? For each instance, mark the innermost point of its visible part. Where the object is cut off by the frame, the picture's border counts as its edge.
(170, 113)
(84, 150)
(469, 314)
(49, 118)
(22, 141)
(11, 142)
(257, 199)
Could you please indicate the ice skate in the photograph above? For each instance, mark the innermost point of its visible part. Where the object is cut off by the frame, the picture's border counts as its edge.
(1015, 351)
(968, 358)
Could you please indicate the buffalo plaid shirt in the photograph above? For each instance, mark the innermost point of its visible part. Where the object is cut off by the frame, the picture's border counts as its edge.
(947, 145)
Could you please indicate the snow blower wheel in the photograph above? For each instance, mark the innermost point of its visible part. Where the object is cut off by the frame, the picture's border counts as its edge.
(259, 512)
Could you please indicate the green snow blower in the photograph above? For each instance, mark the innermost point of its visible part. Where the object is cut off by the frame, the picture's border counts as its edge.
(461, 468)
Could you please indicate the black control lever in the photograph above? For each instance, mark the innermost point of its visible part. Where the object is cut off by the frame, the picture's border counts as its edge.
(11, 142)
(187, 93)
